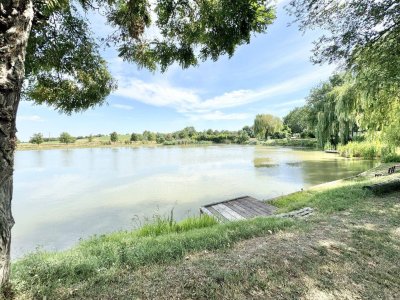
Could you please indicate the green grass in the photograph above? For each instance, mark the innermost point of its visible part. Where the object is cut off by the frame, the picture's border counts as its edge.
(369, 150)
(304, 143)
(161, 225)
(43, 273)
(328, 201)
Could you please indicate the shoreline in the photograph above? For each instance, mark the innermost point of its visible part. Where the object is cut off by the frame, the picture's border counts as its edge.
(330, 184)
(298, 144)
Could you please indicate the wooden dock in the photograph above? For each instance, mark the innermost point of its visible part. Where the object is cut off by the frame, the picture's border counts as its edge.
(238, 209)
(331, 151)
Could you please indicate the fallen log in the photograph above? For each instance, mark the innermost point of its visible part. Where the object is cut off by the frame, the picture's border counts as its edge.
(384, 187)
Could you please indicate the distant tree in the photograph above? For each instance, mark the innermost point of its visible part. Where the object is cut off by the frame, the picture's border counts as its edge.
(160, 138)
(183, 134)
(90, 138)
(266, 125)
(134, 137)
(243, 137)
(169, 137)
(249, 130)
(145, 136)
(37, 138)
(66, 138)
(296, 119)
(114, 137)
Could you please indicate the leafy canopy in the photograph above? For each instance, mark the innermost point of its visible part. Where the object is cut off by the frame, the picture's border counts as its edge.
(66, 138)
(350, 26)
(37, 138)
(363, 35)
(64, 68)
(266, 125)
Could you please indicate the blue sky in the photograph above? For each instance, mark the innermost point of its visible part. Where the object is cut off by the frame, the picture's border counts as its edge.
(272, 74)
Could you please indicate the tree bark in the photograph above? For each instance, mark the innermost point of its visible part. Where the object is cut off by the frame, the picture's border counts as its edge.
(15, 24)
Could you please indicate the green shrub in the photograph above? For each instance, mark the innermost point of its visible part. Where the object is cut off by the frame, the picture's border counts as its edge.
(367, 150)
(162, 225)
(306, 143)
(391, 157)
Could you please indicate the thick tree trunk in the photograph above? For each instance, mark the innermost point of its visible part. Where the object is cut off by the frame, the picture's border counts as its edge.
(15, 24)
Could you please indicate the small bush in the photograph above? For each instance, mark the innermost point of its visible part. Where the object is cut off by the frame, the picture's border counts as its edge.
(391, 157)
(367, 150)
(162, 225)
(306, 143)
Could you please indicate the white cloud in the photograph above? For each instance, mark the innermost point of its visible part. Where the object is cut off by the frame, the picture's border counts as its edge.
(189, 101)
(122, 106)
(290, 104)
(159, 94)
(33, 118)
(218, 115)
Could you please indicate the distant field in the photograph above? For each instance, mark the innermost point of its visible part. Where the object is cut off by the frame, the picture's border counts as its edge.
(103, 141)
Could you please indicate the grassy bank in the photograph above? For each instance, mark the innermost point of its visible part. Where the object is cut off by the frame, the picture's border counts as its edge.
(96, 142)
(369, 150)
(124, 141)
(350, 248)
(303, 143)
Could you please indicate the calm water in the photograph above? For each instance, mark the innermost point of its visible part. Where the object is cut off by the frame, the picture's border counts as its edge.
(63, 195)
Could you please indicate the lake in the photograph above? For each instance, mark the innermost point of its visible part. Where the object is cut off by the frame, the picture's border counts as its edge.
(61, 196)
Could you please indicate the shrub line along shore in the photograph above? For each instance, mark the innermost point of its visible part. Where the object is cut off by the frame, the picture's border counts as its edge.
(301, 143)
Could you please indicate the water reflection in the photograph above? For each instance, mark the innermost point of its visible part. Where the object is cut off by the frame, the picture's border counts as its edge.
(63, 195)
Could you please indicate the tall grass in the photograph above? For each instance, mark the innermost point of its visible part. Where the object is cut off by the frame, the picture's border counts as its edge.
(366, 149)
(306, 143)
(162, 225)
(328, 201)
(44, 273)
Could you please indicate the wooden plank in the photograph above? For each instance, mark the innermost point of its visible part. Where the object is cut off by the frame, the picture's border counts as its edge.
(245, 206)
(240, 210)
(227, 212)
(223, 212)
(204, 210)
(384, 187)
(255, 207)
(266, 207)
(222, 202)
(217, 214)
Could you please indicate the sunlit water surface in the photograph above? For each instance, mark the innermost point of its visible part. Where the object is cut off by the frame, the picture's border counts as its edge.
(63, 195)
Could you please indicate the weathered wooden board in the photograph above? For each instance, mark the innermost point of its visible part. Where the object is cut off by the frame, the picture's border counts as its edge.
(238, 209)
(384, 187)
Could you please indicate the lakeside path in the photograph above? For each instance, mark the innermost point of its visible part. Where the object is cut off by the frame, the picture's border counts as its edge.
(348, 249)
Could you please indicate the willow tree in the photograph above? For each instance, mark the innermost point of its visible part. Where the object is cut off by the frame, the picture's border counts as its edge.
(47, 55)
(266, 125)
(363, 37)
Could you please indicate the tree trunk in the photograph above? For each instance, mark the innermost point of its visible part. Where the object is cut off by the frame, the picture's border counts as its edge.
(15, 25)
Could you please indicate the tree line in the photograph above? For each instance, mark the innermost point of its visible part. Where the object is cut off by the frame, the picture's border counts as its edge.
(363, 98)
(265, 126)
(341, 110)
